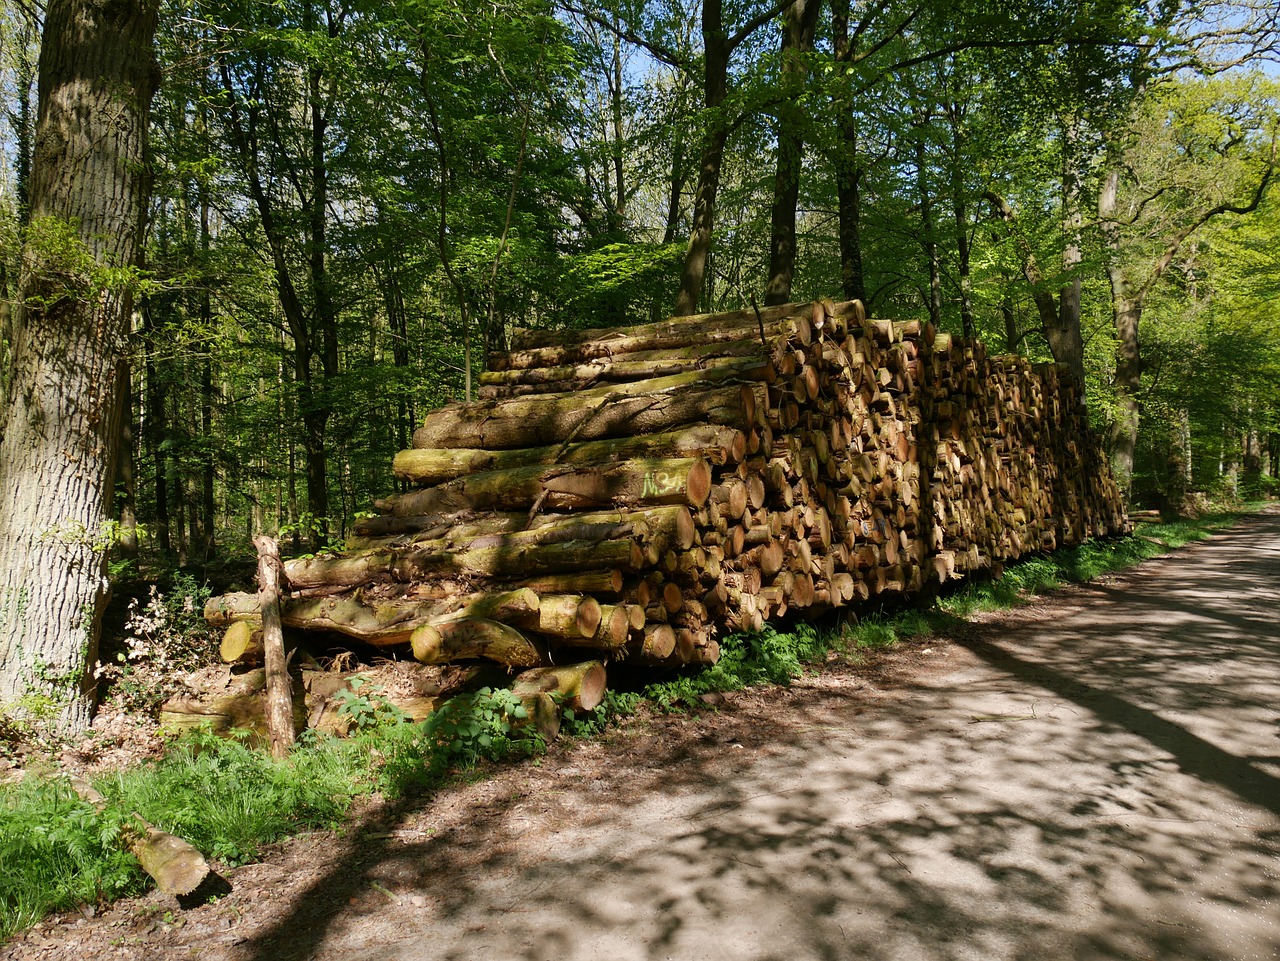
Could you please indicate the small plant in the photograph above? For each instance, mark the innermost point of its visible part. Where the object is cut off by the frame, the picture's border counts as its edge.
(366, 710)
(472, 727)
(163, 639)
(312, 529)
(58, 852)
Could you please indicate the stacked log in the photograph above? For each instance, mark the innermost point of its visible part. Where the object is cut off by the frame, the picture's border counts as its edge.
(632, 493)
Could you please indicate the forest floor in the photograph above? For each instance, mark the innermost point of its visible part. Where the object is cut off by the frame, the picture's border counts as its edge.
(1095, 775)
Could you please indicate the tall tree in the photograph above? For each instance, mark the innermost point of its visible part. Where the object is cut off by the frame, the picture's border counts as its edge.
(718, 46)
(58, 451)
(800, 22)
(1200, 150)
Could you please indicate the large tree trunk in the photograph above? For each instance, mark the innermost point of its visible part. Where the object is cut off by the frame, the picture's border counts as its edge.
(62, 427)
(1124, 430)
(1126, 307)
(1066, 339)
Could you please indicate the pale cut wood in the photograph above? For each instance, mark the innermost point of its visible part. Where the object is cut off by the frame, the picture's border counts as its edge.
(176, 865)
(279, 693)
(242, 641)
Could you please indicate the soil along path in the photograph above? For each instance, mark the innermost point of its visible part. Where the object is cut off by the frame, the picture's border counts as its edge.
(1094, 777)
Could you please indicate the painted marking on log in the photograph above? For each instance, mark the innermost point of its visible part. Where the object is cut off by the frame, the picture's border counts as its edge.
(660, 484)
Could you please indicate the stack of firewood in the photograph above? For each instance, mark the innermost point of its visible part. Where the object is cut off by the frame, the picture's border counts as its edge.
(633, 493)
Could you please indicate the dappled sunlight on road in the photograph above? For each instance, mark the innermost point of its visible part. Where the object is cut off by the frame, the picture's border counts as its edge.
(1098, 780)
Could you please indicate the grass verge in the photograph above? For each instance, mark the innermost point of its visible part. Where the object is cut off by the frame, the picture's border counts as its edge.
(230, 800)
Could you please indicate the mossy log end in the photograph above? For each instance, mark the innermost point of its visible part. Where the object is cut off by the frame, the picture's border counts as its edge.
(543, 715)
(577, 686)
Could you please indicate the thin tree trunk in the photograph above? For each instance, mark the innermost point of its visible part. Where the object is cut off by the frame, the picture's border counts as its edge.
(125, 479)
(62, 426)
(25, 133)
(316, 418)
(799, 25)
(716, 53)
(849, 171)
(960, 217)
(616, 89)
(675, 186)
(154, 434)
(927, 230)
(208, 461)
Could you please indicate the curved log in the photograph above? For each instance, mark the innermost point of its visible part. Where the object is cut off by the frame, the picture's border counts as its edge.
(473, 638)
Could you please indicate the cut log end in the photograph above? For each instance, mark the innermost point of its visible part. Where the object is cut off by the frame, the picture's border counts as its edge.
(242, 642)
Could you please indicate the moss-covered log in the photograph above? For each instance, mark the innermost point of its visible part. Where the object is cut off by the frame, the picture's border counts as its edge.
(719, 445)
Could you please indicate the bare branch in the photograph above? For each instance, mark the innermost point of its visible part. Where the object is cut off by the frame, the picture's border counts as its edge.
(758, 21)
(658, 51)
(1171, 249)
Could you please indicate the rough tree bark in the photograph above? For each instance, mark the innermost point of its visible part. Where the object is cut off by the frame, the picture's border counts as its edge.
(62, 426)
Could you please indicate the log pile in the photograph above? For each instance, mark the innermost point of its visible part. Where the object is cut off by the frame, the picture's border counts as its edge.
(630, 494)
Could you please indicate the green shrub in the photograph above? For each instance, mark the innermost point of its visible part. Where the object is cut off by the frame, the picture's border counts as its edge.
(482, 725)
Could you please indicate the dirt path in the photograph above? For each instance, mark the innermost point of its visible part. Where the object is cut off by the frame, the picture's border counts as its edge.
(1094, 777)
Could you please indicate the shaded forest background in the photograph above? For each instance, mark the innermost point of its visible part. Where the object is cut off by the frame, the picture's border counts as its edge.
(352, 202)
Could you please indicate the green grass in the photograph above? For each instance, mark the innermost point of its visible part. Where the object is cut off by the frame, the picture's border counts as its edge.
(230, 800)
(223, 796)
(57, 852)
